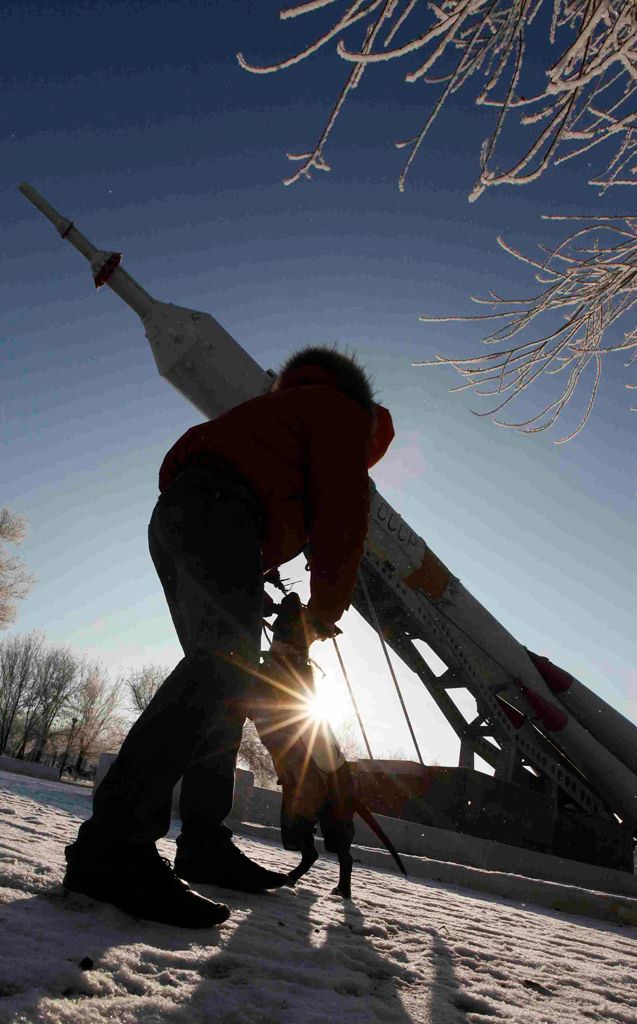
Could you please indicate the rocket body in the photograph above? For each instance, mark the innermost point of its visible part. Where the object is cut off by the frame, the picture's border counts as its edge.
(199, 358)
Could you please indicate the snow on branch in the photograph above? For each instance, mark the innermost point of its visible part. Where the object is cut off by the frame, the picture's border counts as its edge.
(590, 281)
(588, 97)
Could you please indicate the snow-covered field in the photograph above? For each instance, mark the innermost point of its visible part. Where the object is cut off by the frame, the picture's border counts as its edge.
(399, 953)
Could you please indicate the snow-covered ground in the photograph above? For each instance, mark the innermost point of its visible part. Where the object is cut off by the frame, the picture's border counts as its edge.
(399, 953)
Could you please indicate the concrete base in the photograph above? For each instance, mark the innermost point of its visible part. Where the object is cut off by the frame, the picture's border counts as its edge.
(468, 802)
(565, 899)
(19, 767)
(420, 840)
(417, 840)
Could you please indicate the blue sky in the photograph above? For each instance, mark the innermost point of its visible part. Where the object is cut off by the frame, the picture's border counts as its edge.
(136, 121)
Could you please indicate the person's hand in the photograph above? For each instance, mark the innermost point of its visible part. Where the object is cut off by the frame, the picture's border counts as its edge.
(315, 629)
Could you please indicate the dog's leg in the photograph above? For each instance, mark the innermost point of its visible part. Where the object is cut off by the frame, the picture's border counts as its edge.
(344, 887)
(309, 856)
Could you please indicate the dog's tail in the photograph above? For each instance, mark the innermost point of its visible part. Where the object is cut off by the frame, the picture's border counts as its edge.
(369, 819)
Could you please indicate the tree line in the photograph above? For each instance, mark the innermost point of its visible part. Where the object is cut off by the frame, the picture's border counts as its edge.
(54, 704)
(61, 709)
(57, 708)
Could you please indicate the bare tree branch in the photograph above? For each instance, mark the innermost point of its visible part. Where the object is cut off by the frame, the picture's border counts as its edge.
(15, 581)
(99, 727)
(53, 684)
(590, 284)
(18, 658)
(588, 98)
(254, 756)
(142, 685)
(585, 105)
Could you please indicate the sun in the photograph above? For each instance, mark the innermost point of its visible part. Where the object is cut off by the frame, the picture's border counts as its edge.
(330, 703)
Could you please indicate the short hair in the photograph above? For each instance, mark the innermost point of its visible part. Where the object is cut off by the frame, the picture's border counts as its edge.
(347, 373)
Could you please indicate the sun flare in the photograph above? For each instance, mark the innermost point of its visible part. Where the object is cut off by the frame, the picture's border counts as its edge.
(329, 704)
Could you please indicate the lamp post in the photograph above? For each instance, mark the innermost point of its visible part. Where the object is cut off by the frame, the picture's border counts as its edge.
(68, 745)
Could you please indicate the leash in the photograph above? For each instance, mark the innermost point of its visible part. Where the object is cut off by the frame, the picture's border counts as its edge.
(364, 812)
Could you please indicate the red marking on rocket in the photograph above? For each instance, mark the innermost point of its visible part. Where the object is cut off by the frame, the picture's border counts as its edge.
(557, 679)
(551, 717)
(105, 271)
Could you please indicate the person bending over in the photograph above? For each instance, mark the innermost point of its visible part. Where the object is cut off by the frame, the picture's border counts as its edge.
(239, 495)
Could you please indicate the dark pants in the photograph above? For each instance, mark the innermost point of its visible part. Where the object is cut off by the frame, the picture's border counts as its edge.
(205, 542)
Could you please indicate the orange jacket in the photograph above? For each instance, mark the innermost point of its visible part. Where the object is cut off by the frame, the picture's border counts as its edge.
(305, 451)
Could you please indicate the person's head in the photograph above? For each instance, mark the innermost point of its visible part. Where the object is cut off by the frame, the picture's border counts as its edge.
(323, 365)
(318, 365)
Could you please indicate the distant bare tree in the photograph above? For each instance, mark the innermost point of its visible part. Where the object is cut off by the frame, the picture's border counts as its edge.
(54, 683)
(253, 756)
(350, 741)
(19, 656)
(142, 685)
(96, 707)
(15, 581)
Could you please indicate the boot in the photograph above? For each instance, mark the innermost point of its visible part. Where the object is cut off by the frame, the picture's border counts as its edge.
(225, 865)
(141, 883)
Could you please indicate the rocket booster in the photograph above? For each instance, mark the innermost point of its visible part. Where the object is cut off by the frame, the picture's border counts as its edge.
(606, 772)
(608, 725)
